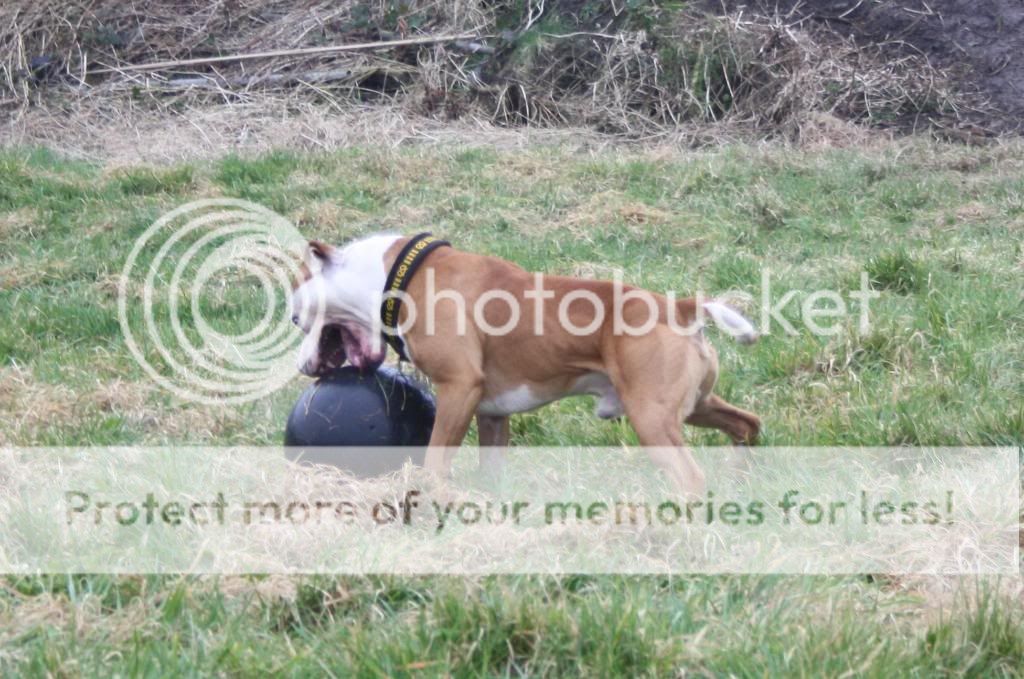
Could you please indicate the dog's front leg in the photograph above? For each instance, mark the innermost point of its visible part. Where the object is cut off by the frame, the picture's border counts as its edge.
(456, 403)
(493, 433)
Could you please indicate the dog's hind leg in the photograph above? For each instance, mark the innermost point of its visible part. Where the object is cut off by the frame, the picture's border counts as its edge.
(715, 412)
(658, 425)
(658, 428)
(656, 379)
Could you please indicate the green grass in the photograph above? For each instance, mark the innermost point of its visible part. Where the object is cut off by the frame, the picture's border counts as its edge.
(940, 364)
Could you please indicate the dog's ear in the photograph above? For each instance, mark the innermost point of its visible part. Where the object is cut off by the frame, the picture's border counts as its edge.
(319, 255)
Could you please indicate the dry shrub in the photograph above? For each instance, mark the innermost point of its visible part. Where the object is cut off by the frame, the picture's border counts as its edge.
(819, 130)
(636, 71)
(46, 36)
(759, 70)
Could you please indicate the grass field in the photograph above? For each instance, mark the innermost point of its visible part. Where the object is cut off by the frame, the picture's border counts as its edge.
(938, 229)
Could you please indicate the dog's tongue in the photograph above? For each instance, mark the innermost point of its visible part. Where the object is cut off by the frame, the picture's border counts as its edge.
(359, 351)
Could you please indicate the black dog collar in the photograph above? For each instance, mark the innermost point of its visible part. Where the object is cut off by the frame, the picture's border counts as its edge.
(409, 259)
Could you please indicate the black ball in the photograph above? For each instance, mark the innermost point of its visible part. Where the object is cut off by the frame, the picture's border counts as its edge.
(344, 412)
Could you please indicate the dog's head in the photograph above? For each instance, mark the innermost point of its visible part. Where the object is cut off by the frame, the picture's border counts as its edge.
(336, 302)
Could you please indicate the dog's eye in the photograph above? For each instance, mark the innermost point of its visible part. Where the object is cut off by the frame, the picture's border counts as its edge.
(295, 320)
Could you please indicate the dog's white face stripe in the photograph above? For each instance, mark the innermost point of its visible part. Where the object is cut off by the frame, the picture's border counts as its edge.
(356, 283)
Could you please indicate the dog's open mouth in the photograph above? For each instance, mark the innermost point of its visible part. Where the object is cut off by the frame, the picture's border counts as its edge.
(340, 342)
(332, 348)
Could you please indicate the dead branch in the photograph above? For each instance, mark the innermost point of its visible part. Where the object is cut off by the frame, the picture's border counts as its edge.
(305, 51)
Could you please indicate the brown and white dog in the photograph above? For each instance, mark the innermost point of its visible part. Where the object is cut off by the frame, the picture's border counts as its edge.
(658, 378)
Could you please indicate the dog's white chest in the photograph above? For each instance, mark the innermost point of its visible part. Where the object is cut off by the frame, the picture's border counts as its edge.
(517, 400)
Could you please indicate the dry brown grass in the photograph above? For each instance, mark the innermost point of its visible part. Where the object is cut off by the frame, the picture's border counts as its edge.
(269, 588)
(612, 207)
(20, 223)
(324, 214)
(29, 405)
(119, 136)
(973, 212)
(33, 409)
(80, 618)
(596, 270)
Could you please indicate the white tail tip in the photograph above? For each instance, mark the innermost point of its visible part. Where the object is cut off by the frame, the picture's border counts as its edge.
(732, 322)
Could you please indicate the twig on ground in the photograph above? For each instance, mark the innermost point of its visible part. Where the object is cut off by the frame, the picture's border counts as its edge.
(305, 51)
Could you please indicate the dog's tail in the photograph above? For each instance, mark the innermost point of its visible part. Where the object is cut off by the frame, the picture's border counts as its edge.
(732, 321)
